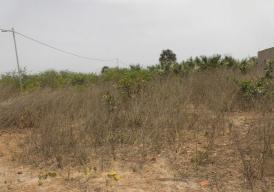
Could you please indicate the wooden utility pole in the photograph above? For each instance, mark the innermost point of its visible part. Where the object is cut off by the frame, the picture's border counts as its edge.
(17, 59)
(16, 55)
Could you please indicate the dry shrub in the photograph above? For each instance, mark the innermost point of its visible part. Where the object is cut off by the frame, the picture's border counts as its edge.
(170, 113)
(75, 123)
(254, 141)
(8, 92)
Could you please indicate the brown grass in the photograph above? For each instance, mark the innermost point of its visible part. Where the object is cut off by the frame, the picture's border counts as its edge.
(192, 121)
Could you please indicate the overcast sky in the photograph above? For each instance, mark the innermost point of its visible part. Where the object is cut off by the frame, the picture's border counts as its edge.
(134, 30)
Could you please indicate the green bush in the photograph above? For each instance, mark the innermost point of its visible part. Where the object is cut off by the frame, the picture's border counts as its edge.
(262, 86)
(253, 89)
(48, 79)
(131, 80)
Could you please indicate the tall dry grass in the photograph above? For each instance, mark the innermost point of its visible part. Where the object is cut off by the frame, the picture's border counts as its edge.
(77, 121)
(77, 125)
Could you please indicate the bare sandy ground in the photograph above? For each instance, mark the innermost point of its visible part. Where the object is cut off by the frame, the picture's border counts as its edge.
(154, 175)
(18, 177)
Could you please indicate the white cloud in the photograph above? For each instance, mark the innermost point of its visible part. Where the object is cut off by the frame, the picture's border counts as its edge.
(134, 30)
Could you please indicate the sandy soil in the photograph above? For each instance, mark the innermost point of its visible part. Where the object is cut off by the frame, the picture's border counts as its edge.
(223, 171)
(154, 176)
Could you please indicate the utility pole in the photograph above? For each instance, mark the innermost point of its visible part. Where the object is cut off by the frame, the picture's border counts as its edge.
(17, 59)
(117, 62)
(16, 54)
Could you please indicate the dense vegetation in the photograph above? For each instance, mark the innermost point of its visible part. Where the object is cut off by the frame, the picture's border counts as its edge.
(183, 111)
(126, 76)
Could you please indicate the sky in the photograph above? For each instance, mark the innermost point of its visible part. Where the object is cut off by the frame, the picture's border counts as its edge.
(135, 31)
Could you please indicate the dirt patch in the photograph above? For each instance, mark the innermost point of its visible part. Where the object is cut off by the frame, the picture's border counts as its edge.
(154, 176)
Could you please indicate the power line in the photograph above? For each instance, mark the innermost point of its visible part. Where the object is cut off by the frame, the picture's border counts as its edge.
(117, 60)
(16, 54)
(58, 49)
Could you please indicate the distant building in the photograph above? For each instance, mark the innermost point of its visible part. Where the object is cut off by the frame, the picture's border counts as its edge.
(265, 55)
